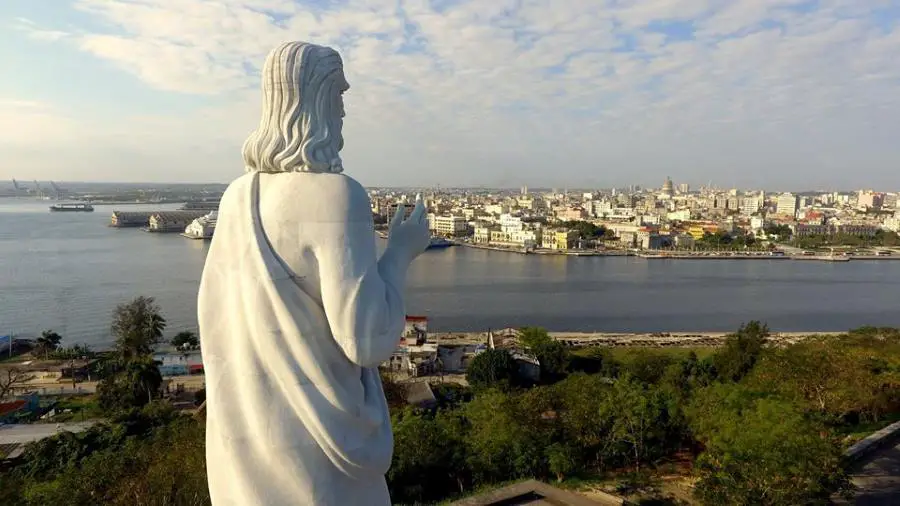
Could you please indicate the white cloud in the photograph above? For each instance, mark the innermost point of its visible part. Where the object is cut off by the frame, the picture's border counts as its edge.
(510, 88)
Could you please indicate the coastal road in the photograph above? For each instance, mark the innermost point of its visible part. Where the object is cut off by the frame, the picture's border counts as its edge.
(878, 478)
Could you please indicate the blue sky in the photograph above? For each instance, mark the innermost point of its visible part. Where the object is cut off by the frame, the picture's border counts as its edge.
(769, 94)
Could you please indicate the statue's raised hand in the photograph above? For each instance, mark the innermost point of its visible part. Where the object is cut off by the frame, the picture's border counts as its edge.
(409, 237)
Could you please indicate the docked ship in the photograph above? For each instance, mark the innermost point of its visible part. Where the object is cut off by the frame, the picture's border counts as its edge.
(79, 207)
(435, 242)
(203, 227)
(438, 243)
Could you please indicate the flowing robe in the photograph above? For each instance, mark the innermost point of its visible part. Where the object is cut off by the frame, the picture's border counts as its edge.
(295, 318)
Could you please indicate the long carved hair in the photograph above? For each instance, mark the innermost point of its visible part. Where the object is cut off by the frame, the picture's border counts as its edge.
(300, 128)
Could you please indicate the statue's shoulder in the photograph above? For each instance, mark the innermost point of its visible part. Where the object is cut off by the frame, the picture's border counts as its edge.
(237, 189)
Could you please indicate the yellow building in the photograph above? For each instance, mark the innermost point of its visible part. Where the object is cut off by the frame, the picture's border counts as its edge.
(559, 239)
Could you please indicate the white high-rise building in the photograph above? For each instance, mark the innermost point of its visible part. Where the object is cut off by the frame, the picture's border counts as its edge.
(786, 204)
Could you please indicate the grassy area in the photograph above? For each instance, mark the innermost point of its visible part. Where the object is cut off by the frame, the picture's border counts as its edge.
(628, 353)
(83, 407)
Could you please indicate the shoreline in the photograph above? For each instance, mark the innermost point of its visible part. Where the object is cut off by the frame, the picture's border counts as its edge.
(684, 255)
(632, 339)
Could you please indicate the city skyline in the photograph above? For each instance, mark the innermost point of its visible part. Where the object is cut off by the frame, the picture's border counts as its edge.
(747, 94)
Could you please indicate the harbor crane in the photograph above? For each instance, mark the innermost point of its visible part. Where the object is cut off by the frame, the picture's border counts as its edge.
(56, 190)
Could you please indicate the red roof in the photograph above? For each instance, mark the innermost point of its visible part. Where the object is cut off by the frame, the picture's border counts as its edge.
(416, 318)
(11, 407)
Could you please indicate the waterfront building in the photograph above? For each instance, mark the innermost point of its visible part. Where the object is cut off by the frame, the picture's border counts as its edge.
(173, 221)
(483, 234)
(559, 239)
(684, 241)
(121, 219)
(450, 226)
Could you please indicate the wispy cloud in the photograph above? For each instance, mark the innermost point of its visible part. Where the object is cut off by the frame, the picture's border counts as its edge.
(588, 91)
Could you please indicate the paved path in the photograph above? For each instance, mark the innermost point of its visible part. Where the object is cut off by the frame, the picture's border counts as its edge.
(878, 479)
(26, 433)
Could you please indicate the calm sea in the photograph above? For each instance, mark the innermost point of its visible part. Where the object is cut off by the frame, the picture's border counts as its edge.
(67, 271)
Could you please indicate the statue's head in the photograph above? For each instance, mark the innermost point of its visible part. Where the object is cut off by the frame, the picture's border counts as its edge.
(302, 111)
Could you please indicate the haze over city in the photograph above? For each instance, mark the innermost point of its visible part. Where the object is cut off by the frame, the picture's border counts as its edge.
(747, 93)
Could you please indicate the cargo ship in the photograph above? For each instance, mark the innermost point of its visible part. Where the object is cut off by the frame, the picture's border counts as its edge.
(80, 207)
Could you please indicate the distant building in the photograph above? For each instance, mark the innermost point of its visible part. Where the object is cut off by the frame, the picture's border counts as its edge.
(684, 188)
(667, 188)
(450, 226)
(679, 215)
(786, 204)
(750, 205)
(870, 200)
(392, 210)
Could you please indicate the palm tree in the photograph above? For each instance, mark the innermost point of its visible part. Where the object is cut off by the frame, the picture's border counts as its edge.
(48, 342)
(137, 326)
(144, 376)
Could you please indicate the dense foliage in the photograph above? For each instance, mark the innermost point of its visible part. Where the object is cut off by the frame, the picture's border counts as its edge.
(762, 424)
(185, 339)
(884, 238)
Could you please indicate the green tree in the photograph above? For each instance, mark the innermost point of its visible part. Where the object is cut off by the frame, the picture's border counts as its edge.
(429, 456)
(742, 350)
(75, 351)
(532, 336)
(552, 354)
(839, 379)
(137, 327)
(493, 368)
(640, 421)
(135, 384)
(761, 450)
(581, 397)
(562, 460)
(508, 434)
(647, 366)
(183, 338)
(47, 343)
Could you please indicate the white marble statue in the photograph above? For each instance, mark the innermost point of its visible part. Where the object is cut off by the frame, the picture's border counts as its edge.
(296, 311)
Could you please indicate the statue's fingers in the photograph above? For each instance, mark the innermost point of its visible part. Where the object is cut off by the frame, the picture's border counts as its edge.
(418, 213)
(398, 215)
